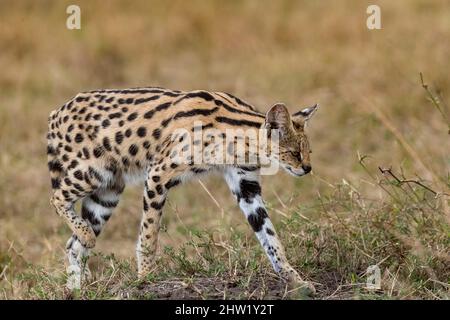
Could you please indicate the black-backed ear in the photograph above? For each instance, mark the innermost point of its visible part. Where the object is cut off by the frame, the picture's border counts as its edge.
(306, 113)
(278, 117)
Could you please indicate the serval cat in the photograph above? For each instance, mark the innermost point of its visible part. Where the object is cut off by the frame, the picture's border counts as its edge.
(101, 140)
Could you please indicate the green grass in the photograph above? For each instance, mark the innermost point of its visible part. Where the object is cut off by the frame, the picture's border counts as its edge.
(406, 235)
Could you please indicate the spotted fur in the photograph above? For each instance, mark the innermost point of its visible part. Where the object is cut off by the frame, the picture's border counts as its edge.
(101, 140)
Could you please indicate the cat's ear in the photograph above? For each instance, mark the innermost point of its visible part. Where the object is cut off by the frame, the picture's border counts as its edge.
(306, 113)
(278, 117)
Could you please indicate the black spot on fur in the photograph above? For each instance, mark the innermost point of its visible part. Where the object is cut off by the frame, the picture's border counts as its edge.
(106, 144)
(172, 183)
(78, 187)
(166, 122)
(106, 123)
(55, 165)
(157, 206)
(163, 106)
(159, 189)
(73, 164)
(132, 116)
(150, 194)
(78, 174)
(198, 170)
(249, 189)
(85, 152)
(125, 161)
(66, 194)
(141, 132)
(119, 137)
(79, 138)
(115, 115)
(55, 183)
(133, 149)
(98, 151)
(156, 133)
(256, 220)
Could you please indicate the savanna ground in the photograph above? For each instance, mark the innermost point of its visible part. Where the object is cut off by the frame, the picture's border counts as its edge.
(335, 223)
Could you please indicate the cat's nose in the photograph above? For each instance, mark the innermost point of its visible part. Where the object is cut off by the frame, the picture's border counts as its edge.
(307, 168)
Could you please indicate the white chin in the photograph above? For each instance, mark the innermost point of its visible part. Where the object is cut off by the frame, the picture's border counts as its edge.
(295, 173)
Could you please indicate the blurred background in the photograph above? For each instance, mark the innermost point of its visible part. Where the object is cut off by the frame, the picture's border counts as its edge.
(298, 52)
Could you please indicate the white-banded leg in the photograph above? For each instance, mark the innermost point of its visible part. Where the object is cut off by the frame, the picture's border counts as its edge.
(96, 210)
(244, 184)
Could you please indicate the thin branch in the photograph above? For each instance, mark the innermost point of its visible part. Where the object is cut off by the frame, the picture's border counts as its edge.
(407, 181)
(212, 197)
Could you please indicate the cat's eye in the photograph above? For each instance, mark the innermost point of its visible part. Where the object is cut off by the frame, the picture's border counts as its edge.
(296, 154)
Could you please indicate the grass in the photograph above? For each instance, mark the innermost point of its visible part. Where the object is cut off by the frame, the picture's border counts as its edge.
(405, 235)
(378, 111)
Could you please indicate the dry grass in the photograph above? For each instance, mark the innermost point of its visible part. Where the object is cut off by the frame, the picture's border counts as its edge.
(335, 222)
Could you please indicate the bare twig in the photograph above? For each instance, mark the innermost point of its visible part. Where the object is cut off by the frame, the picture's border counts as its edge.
(407, 181)
(212, 197)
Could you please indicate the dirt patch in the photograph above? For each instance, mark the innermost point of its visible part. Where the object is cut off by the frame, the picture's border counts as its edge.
(198, 288)
(208, 288)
